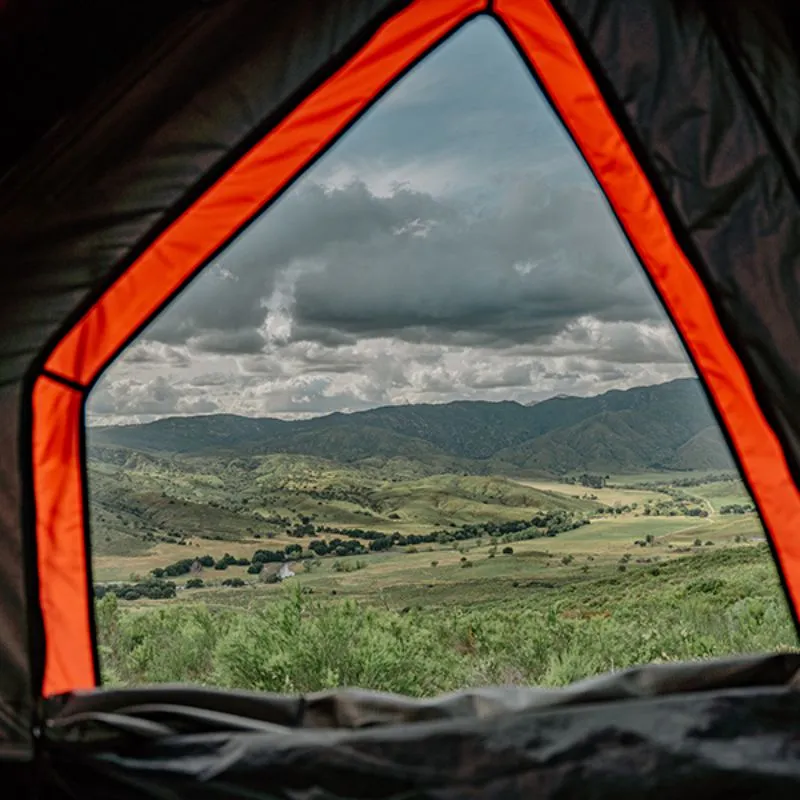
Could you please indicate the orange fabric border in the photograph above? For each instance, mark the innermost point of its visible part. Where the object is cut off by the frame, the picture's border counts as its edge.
(161, 270)
(61, 555)
(259, 176)
(250, 184)
(552, 53)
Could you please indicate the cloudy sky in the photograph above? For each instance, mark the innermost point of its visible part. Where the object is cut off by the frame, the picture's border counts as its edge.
(451, 246)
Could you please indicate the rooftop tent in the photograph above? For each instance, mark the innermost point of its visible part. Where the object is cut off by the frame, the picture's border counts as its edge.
(136, 145)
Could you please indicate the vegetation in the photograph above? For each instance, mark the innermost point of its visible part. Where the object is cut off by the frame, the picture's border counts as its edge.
(481, 557)
(717, 603)
(668, 426)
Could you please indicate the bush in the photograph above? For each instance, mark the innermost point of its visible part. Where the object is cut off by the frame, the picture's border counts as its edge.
(508, 551)
(194, 583)
(153, 589)
(292, 644)
(233, 582)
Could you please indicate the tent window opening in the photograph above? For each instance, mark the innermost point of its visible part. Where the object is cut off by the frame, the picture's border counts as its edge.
(424, 424)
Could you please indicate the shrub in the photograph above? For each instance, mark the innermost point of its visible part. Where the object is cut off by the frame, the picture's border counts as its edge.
(508, 551)
(194, 583)
(233, 582)
(291, 644)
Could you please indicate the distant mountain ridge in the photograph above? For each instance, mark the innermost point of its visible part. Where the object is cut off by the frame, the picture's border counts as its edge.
(665, 426)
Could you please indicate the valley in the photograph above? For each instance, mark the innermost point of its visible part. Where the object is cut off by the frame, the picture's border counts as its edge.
(205, 519)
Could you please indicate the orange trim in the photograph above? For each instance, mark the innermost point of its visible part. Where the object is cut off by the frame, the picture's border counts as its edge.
(63, 588)
(551, 51)
(157, 275)
(250, 184)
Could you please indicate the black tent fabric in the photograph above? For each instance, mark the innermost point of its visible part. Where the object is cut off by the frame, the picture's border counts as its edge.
(724, 729)
(118, 127)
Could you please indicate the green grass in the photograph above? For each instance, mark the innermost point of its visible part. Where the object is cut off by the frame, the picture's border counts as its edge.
(157, 500)
(722, 494)
(405, 638)
(419, 621)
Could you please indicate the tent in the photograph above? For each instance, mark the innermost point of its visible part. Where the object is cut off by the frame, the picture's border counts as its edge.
(138, 138)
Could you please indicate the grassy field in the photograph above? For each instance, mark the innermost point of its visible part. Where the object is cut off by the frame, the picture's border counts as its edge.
(500, 626)
(627, 588)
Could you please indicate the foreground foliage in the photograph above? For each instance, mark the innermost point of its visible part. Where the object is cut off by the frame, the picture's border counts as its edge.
(708, 605)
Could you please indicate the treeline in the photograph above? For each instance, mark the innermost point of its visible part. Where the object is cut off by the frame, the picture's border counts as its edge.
(738, 508)
(587, 479)
(349, 542)
(681, 483)
(152, 589)
(184, 566)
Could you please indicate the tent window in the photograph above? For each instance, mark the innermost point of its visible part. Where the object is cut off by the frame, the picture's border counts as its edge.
(424, 424)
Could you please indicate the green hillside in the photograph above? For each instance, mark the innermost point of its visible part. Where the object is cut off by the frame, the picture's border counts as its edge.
(139, 500)
(668, 426)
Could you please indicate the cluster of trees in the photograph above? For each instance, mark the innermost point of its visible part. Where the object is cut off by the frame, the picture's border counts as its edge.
(230, 561)
(618, 508)
(152, 589)
(350, 542)
(675, 508)
(588, 480)
(678, 483)
(738, 508)
(186, 566)
(550, 524)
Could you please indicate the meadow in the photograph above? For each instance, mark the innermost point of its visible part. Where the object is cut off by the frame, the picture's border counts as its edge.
(489, 629)
(625, 589)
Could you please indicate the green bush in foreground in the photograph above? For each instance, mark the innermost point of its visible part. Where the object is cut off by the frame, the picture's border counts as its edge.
(720, 604)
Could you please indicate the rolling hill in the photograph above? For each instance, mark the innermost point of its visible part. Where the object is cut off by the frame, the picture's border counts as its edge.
(666, 426)
(140, 499)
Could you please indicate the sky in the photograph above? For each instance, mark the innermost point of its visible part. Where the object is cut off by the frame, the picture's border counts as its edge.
(452, 245)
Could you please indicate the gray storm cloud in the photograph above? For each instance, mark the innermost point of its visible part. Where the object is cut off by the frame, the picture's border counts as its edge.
(452, 245)
(417, 268)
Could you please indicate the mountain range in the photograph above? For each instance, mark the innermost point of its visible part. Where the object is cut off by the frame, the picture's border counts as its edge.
(665, 426)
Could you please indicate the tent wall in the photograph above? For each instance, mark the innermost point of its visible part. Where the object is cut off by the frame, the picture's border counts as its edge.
(685, 146)
(706, 95)
(94, 194)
